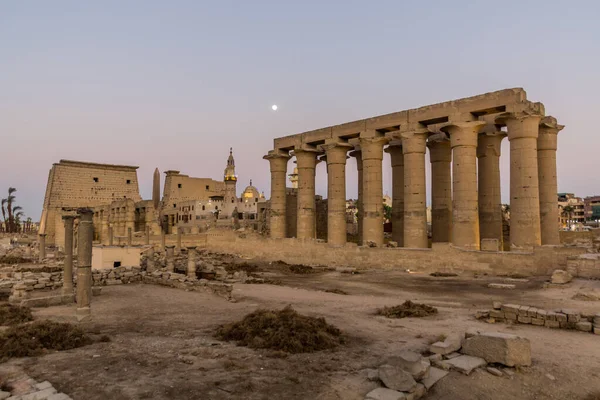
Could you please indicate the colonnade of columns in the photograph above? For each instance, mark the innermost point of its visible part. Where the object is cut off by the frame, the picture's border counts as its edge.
(465, 173)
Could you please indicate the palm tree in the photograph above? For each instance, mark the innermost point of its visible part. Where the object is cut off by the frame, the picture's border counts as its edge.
(9, 201)
(18, 217)
(4, 201)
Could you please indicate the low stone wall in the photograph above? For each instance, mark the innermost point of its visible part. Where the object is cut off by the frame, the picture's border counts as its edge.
(441, 257)
(561, 319)
(20, 283)
(584, 266)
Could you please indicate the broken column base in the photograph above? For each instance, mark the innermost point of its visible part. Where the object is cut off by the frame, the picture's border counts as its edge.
(83, 314)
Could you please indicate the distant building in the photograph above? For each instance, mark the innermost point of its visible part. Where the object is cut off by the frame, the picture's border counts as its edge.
(592, 208)
(571, 211)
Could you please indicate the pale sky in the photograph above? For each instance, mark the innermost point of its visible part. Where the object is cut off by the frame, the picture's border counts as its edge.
(174, 84)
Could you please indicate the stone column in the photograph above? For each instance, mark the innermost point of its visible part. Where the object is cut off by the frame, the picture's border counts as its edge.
(525, 232)
(278, 162)
(163, 239)
(306, 225)
(490, 202)
(147, 234)
(465, 212)
(68, 266)
(129, 237)
(336, 192)
(372, 156)
(546, 152)
(42, 245)
(191, 268)
(170, 258)
(359, 201)
(84, 264)
(415, 215)
(179, 239)
(440, 155)
(395, 151)
(110, 236)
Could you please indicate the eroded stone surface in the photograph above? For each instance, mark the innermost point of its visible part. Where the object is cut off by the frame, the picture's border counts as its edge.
(466, 364)
(496, 347)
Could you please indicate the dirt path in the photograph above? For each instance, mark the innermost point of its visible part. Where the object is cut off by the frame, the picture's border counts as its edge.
(162, 345)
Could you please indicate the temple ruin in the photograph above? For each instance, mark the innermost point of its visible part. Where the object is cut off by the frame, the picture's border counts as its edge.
(463, 137)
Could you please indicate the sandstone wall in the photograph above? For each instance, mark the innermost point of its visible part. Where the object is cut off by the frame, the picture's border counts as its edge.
(191, 188)
(73, 184)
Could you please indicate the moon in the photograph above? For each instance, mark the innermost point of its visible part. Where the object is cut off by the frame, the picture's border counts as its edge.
(274, 107)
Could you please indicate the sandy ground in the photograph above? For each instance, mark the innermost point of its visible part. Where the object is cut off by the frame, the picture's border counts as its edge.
(162, 344)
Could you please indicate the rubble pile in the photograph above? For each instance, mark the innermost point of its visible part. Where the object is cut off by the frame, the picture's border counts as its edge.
(409, 375)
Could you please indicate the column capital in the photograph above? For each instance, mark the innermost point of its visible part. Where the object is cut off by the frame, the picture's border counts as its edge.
(372, 148)
(335, 153)
(414, 142)
(489, 144)
(43, 234)
(463, 133)
(277, 154)
(548, 134)
(396, 153)
(85, 211)
(520, 125)
(68, 217)
(170, 246)
(439, 151)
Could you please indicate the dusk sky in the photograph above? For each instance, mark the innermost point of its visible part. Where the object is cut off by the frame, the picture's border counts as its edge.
(174, 84)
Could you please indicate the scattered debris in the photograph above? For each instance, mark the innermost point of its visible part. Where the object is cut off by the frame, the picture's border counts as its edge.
(407, 309)
(284, 330)
(443, 274)
(452, 343)
(336, 291)
(466, 364)
(588, 294)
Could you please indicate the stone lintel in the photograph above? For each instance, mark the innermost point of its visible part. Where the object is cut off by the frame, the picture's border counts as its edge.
(277, 154)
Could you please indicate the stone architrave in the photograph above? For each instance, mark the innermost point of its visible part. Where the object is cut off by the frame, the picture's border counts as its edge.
(547, 144)
(490, 202)
(191, 267)
(170, 258)
(372, 207)
(68, 266)
(523, 132)
(42, 245)
(465, 211)
(415, 217)
(84, 263)
(336, 192)
(306, 160)
(278, 161)
(359, 201)
(440, 155)
(397, 159)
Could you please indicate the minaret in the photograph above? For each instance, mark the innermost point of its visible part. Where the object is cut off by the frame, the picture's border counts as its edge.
(156, 189)
(230, 182)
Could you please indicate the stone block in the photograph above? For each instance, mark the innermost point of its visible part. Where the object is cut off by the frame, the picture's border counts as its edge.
(497, 305)
(523, 310)
(441, 364)
(395, 378)
(410, 362)
(497, 314)
(4, 395)
(541, 314)
(510, 316)
(584, 326)
(496, 347)
(597, 330)
(435, 374)
(39, 395)
(501, 286)
(560, 317)
(451, 344)
(537, 321)
(110, 282)
(532, 312)
(550, 316)
(39, 286)
(510, 308)
(572, 315)
(560, 276)
(494, 371)
(482, 314)
(551, 324)
(524, 320)
(385, 394)
(418, 393)
(59, 396)
(490, 245)
(466, 364)
(43, 385)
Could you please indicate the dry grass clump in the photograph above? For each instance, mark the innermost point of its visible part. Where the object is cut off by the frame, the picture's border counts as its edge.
(301, 269)
(38, 337)
(14, 260)
(11, 314)
(443, 274)
(284, 330)
(407, 309)
(247, 267)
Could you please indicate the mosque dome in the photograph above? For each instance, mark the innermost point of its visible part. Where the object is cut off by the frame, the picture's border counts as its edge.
(250, 192)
